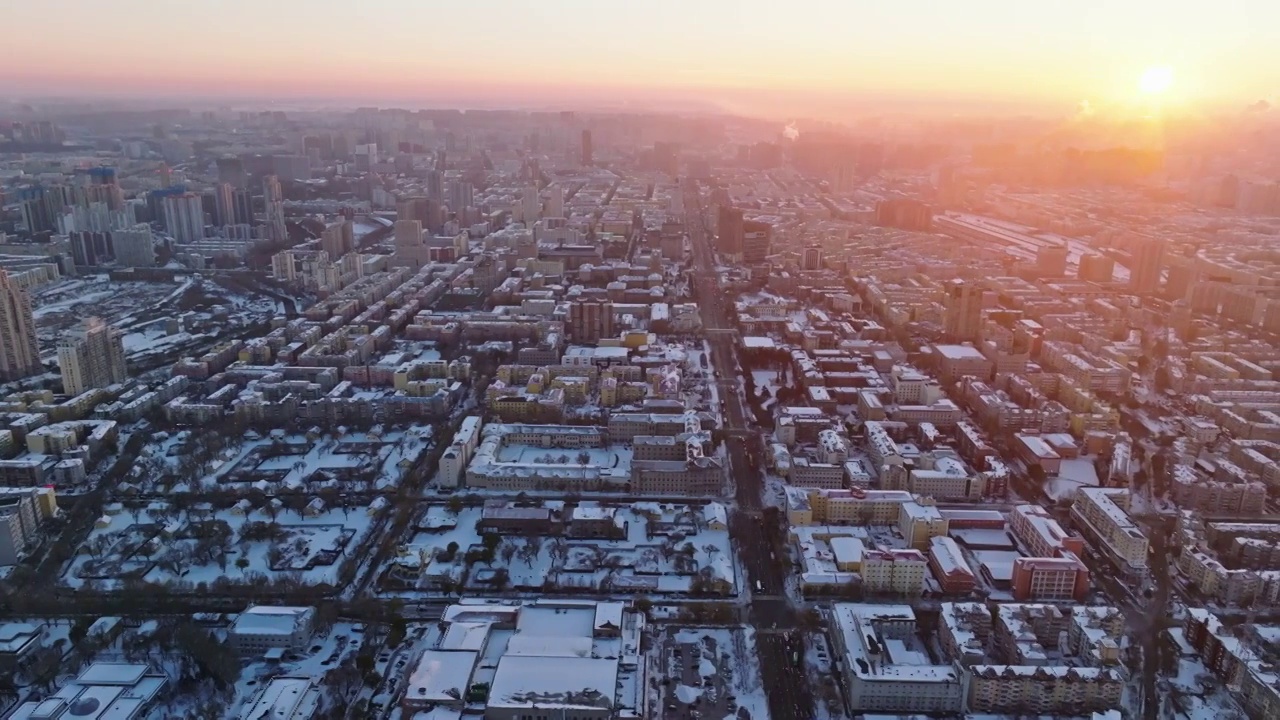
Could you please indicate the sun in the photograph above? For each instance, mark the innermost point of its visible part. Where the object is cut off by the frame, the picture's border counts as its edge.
(1156, 80)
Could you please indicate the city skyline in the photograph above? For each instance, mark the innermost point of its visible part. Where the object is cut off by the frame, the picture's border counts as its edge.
(819, 54)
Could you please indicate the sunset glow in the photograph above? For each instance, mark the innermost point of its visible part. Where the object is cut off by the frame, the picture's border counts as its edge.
(1156, 80)
(717, 50)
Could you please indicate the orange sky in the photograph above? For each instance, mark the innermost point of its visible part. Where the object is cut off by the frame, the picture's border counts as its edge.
(1042, 51)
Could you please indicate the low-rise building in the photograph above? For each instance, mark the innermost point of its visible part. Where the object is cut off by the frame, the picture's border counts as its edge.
(261, 628)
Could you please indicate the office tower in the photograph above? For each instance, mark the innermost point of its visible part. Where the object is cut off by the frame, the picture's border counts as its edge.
(1146, 265)
(729, 231)
(19, 353)
(1051, 262)
(460, 193)
(336, 239)
(241, 207)
(530, 205)
(184, 217)
(273, 201)
(91, 249)
(588, 150)
(555, 202)
(962, 305)
(408, 233)
(1096, 268)
(91, 355)
(757, 240)
(224, 205)
(366, 156)
(134, 247)
(904, 213)
(812, 258)
(231, 171)
(291, 167)
(435, 185)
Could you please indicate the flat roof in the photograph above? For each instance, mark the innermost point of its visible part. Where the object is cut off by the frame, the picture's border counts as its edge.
(562, 682)
(441, 676)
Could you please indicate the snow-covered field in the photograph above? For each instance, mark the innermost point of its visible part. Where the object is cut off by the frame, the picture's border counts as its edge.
(160, 544)
(373, 460)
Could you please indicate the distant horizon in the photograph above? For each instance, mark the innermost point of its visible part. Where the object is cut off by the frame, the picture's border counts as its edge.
(820, 57)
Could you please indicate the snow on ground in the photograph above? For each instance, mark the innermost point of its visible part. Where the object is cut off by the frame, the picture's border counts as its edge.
(688, 695)
(664, 546)
(161, 545)
(292, 461)
(1074, 473)
(737, 661)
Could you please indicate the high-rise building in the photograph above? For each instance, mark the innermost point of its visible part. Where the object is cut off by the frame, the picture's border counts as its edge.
(91, 355)
(40, 213)
(1146, 265)
(224, 205)
(90, 249)
(757, 241)
(242, 207)
(554, 207)
(273, 201)
(1096, 268)
(231, 171)
(1051, 262)
(337, 239)
(811, 259)
(590, 320)
(729, 229)
(588, 150)
(184, 217)
(963, 310)
(460, 196)
(904, 213)
(435, 185)
(19, 353)
(133, 247)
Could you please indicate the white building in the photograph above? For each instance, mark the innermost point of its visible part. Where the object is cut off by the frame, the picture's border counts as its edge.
(885, 668)
(262, 627)
(120, 691)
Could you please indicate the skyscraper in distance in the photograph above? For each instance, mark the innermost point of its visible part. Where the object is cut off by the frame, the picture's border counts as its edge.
(184, 217)
(19, 353)
(588, 150)
(963, 310)
(729, 230)
(1147, 263)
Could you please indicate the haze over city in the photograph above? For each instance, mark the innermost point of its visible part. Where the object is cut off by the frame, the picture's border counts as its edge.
(740, 55)
(701, 360)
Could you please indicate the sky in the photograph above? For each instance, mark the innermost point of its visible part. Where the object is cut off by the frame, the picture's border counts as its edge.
(619, 51)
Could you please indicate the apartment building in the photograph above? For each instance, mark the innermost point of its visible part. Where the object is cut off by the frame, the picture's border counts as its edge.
(91, 355)
(1050, 578)
(894, 572)
(1102, 515)
(1043, 690)
(919, 521)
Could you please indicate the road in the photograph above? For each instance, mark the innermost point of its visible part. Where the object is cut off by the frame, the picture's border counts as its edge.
(758, 542)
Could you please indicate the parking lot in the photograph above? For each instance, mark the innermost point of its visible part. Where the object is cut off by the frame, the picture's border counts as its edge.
(697, 679)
